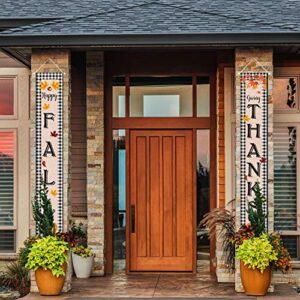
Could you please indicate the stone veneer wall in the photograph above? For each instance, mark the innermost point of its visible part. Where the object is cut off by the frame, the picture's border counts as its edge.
(95, 157)
(264, 56)
(40, 61)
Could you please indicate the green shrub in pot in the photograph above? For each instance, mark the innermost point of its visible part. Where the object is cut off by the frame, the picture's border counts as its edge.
(256, 252)
(48, 257)
(48, 253)
(256, 255)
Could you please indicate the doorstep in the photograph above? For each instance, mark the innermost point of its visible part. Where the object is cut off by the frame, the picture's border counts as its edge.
(159, 286)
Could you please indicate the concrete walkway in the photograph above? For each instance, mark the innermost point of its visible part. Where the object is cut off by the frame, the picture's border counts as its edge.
(160, 286)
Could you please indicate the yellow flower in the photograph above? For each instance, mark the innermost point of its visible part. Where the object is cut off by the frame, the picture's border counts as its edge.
(246, 118)
(46, 106)
(43, 85)
(55, 85)
(53, 192)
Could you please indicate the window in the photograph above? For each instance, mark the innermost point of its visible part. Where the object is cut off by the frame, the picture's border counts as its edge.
(203, 96)
(119, 198)
(14, 159)
(118, 97)
(203, 189)
(7, 190)
(285, 94)
(7, 97)
(161, 97)
(286, 148)
(285, 178)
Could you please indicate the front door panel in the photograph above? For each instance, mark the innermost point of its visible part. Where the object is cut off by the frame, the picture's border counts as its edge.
(161, 200)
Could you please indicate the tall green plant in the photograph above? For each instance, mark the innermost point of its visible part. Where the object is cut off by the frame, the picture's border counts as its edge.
(43, 213)
(256, 215)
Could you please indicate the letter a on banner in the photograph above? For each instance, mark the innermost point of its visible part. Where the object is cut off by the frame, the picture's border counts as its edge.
(254, 137)
(49, 139)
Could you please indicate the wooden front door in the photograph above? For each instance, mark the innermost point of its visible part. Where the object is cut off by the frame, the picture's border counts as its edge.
(161, 200)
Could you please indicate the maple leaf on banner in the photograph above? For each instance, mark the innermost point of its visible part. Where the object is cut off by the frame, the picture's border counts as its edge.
(46, 106)
(55, 85)
(263, 160)
(246, 118)
(252, 83)
(53, 192)
(44, 164)
(43, 85)
(261, 78)
(53, 133)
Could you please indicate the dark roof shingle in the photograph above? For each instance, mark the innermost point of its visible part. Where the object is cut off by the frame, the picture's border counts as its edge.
(102, 17)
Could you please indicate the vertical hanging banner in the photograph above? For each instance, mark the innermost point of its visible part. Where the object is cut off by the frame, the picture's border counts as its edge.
(49, 139)
(254, 138)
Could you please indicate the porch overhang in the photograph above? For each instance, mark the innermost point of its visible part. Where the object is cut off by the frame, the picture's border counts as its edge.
(123, 40)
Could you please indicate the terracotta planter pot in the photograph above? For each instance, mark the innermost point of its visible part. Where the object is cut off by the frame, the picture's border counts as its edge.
(48, 284)
(254, 282)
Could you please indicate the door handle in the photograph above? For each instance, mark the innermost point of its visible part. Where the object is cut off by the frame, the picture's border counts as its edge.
(132, 215)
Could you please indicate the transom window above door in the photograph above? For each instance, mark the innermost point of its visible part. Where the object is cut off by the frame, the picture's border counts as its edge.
(161, 96)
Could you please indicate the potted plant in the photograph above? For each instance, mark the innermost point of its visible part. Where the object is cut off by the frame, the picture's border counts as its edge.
(259, 252)
(256, 255)
(247, 243)
(48, 258)
(83, 260)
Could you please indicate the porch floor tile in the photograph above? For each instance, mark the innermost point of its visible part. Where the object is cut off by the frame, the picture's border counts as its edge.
(159, 286)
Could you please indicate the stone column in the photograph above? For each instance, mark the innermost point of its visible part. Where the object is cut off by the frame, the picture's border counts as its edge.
(256, 60)
(40, 61)
(95, 157)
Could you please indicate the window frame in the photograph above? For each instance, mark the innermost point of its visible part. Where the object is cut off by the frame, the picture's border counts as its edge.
(283, 118)
(20, 125)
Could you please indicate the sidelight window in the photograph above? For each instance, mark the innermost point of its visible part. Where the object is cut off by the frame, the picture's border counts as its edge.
(119, 198)
(203, 189)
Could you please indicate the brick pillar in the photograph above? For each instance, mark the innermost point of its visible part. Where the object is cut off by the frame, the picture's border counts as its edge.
(40, 61)
(95, 157)
(265, 58)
